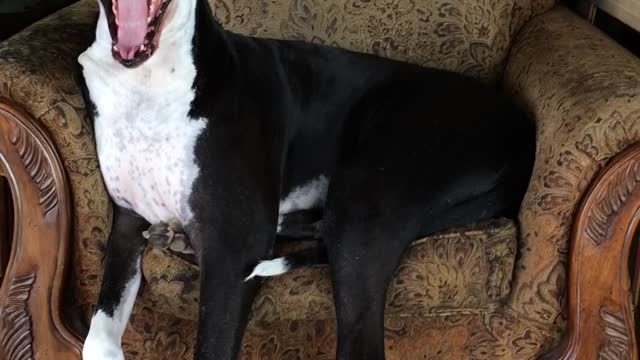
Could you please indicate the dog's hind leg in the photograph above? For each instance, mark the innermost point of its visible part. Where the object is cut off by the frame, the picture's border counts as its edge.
(312, 256)
(120, 282)
(409, 167)
(301, 224)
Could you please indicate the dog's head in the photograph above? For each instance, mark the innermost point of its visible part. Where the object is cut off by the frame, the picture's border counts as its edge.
(135, 27)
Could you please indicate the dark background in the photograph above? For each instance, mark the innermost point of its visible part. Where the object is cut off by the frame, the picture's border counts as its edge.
(619, 31)
(17, 14)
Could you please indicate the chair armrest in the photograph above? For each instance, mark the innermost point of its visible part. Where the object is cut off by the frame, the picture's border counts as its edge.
(38, 66)
(583, 90)
(41, 97)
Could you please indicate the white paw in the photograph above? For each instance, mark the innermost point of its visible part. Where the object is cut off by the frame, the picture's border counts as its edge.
(268, 268)
(101, 349)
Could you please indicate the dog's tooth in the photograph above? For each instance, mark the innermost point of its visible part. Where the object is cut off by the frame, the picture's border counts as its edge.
(143, 48)
(148, 19)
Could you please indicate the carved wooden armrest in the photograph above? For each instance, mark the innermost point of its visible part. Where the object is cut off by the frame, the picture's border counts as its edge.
(601, 309)
(31, 326)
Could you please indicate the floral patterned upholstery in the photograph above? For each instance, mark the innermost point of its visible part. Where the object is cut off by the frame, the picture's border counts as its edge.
(467, 36)
(468, 268)
(582, 89)
(584, 92)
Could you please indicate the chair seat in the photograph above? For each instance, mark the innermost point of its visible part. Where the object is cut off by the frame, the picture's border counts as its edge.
(468, 268)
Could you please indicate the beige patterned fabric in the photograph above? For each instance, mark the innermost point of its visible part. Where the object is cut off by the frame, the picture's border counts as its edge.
(470, 268)
(467, 36)
(583, 90)
(483, 334)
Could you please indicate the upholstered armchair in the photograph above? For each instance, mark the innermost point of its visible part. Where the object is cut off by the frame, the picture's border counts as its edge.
(557, 283)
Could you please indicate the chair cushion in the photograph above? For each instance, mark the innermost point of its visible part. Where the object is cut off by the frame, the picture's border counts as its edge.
(489, 334)
(468, 268)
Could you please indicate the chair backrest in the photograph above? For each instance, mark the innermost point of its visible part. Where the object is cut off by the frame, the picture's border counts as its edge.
(467, 36)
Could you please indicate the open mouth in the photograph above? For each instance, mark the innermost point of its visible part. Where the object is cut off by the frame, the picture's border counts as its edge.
(138, 24)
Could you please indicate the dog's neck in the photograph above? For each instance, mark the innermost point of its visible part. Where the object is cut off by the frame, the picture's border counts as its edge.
(191, 35)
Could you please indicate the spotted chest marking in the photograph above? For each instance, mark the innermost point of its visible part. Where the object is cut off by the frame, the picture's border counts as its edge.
(149, 167)
(144, 135)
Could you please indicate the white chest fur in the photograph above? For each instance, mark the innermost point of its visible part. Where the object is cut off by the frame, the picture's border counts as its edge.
(147, 159)
(144, 135)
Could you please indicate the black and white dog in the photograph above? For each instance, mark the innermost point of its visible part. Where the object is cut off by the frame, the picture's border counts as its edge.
(225, 135)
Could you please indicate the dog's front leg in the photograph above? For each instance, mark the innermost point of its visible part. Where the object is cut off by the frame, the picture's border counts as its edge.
(225, 302)
(120, 282)
(225, 298)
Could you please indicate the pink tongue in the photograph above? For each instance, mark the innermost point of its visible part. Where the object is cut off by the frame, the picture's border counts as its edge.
(132, 26)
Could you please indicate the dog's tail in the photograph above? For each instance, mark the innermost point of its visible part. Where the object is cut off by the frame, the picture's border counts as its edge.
(316, 255)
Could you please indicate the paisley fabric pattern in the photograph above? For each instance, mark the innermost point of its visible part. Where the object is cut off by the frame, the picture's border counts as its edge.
(584, 92)
(581, 88)
(481, 334)
(471, 37)
(466, 268)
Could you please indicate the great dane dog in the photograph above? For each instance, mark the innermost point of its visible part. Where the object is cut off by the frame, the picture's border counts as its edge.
(223, 135)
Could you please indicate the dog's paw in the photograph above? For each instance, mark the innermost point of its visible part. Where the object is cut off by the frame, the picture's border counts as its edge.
(95, 349)
(180, 244)
(159, 235)
(168, 235)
